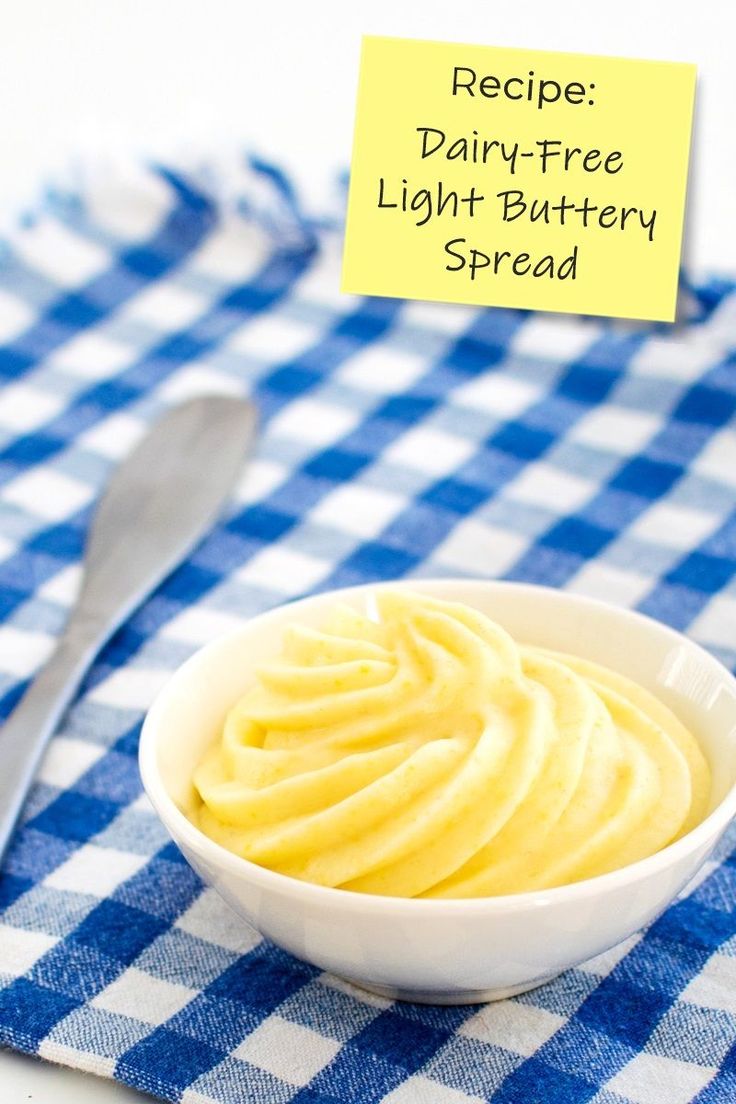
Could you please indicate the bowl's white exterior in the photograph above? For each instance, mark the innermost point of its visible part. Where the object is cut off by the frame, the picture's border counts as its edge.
(465, 950)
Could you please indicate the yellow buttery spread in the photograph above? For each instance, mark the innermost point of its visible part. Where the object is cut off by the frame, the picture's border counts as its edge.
(425, 753)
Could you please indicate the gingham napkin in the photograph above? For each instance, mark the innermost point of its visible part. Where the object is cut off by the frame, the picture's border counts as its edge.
(398, 439)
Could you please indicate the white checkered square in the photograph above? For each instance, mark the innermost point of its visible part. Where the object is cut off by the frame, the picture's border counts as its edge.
(475, 548)
(721, 326)
(293, 1053)
(429, 450)
(22, 949)
(198, 625)
(716, 625)
(61, 255)
(682, 358)
(142, 804)
(97, 871)
(62, 587)
(616, 429)
(447, 318)
(199, 379)
(312, 421)
(231, 254)
(517, 1027)
(386, 371)
(164, 306)
(597, 579)
(354, 508)
(717, 461)
(66, 760)
(715, 985)
(143, 997)
(114, 437)
(130, 687)
(650, 1079)
(93, 356)
(193, 1096)
(320, 284)
(674, 526)
(15, 316)
(423, 1090)
(545, 485)
(7, 547)
(23, 651)
(47, 494)
(559, 339)
(85, 1060)
(23, 408)
(272, 338)
(497, 393)
(259, 479)
(128, 200)
(211, 919)
(284, 570)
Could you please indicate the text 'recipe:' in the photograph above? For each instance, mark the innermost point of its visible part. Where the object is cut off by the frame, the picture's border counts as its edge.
(539, 91)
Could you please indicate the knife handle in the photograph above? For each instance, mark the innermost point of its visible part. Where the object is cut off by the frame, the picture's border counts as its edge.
(157, 505)
(26, 733)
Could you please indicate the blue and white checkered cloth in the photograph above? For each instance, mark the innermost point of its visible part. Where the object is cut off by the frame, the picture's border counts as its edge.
(398, 439)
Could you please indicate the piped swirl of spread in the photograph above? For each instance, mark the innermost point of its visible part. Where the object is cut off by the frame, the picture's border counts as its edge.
(426, 754)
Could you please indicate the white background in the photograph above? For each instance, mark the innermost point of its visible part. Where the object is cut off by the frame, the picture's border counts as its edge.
(158, 77)
(162, 76)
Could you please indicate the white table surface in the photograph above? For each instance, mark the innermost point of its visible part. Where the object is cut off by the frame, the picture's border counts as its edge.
(29, 1079)
(180, 75)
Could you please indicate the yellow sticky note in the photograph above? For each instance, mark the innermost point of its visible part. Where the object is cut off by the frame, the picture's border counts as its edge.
(518, 178)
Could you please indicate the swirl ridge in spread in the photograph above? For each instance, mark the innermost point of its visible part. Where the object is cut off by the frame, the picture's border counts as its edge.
(425, 753)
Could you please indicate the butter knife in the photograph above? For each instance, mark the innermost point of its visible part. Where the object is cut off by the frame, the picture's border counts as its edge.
(158, 504)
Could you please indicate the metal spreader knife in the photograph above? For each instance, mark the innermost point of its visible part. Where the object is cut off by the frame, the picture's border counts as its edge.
(158, 504)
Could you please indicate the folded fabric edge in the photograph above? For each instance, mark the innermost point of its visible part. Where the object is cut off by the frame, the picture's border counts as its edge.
(103, 192)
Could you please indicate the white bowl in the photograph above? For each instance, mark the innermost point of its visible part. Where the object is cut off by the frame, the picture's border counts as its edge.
(449, 951)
